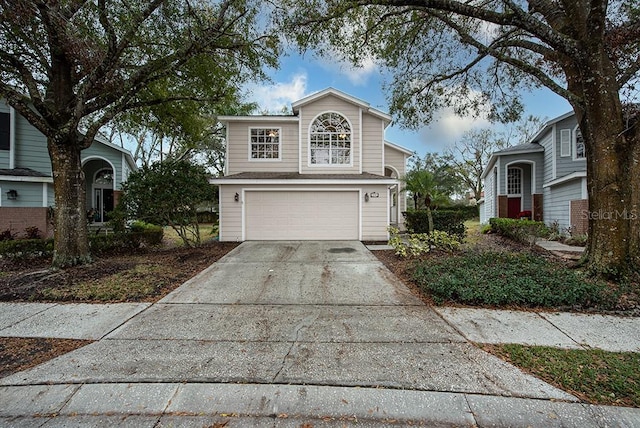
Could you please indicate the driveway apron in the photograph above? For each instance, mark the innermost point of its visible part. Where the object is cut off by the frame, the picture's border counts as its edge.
(303, 313)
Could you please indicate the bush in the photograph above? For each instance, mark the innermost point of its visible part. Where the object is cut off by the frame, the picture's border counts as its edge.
(416, 244)
(147, 233)
(26, 248)
(519, 230)
(501, 278)
(7, 235)
(445, 220)
(32, 233)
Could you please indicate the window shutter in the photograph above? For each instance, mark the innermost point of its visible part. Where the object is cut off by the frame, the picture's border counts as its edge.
(565, 142)
(5, 124)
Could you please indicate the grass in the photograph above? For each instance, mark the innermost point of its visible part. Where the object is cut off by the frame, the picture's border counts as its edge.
(473, 236)
(497, 278)
(206, 229)
(129, 285)
(595, 376)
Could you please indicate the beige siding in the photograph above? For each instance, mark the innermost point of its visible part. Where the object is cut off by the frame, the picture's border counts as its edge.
(396, 159)
(230, 213)
(238, 147)
(352, 112)
(372, 144)
(375, 214)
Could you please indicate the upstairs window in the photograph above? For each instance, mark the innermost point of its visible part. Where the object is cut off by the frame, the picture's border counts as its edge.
(264, 143)
(330, 140)
(580, 149)
(514, 181)
(5, 131)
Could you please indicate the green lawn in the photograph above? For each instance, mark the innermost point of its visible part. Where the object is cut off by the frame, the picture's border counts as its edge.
(595, 376)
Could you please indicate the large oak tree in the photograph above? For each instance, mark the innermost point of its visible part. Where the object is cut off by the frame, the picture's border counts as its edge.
(71, 66)
(465, 54)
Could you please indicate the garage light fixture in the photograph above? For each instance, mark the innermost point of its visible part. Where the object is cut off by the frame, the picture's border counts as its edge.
(366, 197)
(12, 194)
(236, 197)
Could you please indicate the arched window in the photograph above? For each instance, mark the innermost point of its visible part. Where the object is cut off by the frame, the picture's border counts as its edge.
(580, 150)
(330, 140)
(104, 176)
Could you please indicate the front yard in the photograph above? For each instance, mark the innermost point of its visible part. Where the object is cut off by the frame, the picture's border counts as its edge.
(488, 272)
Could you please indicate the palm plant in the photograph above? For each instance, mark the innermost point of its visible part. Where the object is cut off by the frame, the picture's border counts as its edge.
(425, 185)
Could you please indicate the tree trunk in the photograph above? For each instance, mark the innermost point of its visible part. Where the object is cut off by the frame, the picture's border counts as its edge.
(71, 244)
(613, 155)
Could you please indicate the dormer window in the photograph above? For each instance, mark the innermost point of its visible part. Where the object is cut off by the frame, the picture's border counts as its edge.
(264, 143)
(580, 149)
(330, 140)
(5, 131)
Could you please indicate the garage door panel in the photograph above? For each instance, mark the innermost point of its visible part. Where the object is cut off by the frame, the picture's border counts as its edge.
(300, 215)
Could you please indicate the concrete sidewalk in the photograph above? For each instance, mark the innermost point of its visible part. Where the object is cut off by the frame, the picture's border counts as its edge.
(283, 334)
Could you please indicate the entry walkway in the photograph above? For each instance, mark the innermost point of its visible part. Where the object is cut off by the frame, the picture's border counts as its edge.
(281, 334)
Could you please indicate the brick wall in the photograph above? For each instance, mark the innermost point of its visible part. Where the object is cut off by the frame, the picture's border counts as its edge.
(17, 219)
(579, 216)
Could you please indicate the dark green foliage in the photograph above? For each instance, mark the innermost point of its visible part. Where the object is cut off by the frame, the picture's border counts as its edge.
(445, 220)
(169, 193)
(519, 230)
(26, 248)
(148, 234)
(501, 278)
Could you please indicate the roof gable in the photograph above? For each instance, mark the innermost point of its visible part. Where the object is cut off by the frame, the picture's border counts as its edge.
(343, 96)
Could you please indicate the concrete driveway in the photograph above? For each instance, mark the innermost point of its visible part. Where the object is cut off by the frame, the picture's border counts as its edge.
(282, 313)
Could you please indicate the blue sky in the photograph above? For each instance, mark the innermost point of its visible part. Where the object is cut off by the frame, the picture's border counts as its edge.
(299, 76)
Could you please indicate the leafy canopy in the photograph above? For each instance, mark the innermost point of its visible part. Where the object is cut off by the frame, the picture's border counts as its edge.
(169, 193)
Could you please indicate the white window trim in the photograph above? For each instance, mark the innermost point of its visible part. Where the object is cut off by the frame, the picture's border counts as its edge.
(279, 158)
(514, 195)
(574, 143)
(329, 165)
(565, 143)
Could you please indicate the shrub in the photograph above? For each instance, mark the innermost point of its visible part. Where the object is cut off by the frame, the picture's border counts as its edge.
(7, 235)
(445, 220)
(519, 230)
(147, 233)
(26, 248)
(416, 244)
(501, 278)
(32, 233)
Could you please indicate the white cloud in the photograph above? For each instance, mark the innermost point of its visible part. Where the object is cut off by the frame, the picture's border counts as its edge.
(447, 128)
(280, 94)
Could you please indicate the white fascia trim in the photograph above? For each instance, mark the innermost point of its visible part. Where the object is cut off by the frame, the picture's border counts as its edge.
(572, 176)
(258, 118)
(298, 182)
(26, 179)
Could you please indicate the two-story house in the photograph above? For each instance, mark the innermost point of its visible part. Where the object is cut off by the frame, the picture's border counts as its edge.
(323, 173)
(547, 177)
(26, 183)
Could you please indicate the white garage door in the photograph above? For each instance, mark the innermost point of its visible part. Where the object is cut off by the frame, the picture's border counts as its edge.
(300, 215)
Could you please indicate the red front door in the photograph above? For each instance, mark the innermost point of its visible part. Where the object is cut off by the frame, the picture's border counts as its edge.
(514, 207)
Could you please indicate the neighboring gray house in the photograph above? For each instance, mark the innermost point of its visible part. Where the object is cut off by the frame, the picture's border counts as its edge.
(545, 179)
(325, 172)
(26, 184)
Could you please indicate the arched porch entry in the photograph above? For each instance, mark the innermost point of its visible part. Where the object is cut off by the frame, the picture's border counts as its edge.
(100, 185)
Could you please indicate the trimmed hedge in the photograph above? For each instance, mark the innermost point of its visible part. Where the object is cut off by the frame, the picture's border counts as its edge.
(445, 220)
(519, 230)
(99, 244)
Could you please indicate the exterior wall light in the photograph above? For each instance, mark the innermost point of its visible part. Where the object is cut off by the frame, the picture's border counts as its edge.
(366, 197)
(236, 197)
(12, 194)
